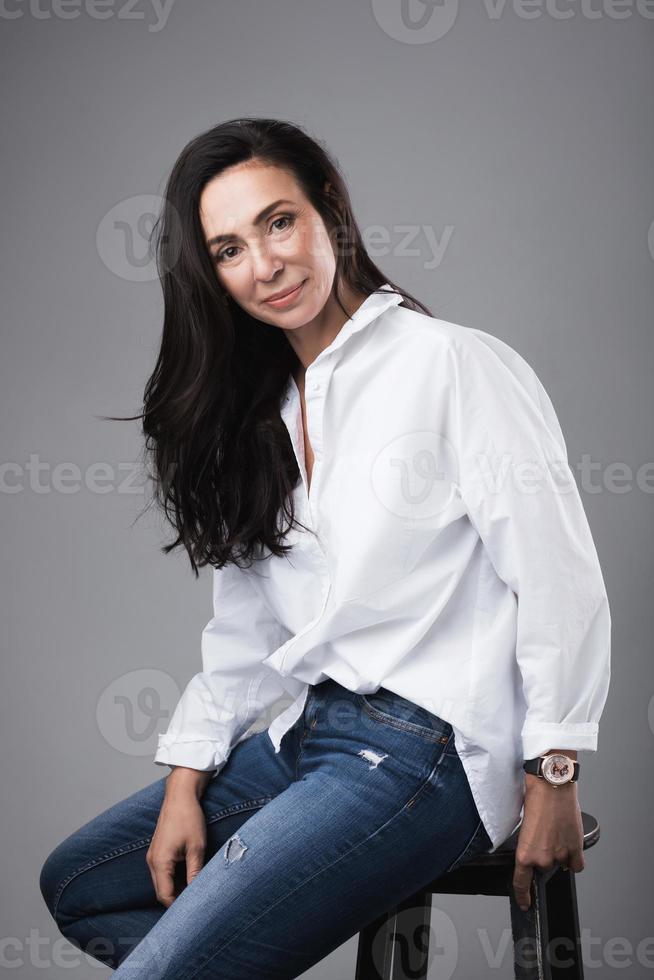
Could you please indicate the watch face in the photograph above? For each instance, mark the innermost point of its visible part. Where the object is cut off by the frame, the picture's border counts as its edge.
(557, 769)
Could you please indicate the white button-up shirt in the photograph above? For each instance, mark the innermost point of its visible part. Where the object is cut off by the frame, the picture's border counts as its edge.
(448, 558)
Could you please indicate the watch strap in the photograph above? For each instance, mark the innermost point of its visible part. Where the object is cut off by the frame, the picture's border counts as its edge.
(532, 766)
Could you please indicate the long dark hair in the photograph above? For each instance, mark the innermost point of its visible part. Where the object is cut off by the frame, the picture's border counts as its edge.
(223, 464)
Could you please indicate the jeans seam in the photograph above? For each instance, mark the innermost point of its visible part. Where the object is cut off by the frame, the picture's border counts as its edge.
(394, 816)
(116, 852)
(427, 782)
(465, 850)
(430, 735)
(238, 807)
(303, 737)
(144, 841)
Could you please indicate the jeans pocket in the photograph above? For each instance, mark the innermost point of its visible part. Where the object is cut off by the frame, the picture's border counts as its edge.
(388, 708)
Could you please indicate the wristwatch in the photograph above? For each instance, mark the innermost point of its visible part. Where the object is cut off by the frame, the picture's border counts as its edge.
(556, 768)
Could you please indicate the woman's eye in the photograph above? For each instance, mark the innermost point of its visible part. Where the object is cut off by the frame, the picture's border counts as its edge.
(224, 254)
(284, 217)
(221, 256)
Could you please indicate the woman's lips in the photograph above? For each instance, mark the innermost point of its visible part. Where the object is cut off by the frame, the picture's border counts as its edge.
(288, 299)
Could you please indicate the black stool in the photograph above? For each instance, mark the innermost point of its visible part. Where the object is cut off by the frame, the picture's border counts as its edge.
(404, 930)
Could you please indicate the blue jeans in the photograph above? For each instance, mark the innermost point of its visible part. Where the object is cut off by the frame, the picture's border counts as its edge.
(366, 802)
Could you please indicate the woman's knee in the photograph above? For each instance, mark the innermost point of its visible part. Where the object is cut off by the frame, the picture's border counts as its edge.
(57, 869)
(126, 826)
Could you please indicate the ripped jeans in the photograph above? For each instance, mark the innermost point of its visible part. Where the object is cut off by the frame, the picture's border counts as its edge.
(366, 801)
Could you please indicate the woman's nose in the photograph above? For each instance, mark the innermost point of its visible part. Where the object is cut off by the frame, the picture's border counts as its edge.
(266, 264)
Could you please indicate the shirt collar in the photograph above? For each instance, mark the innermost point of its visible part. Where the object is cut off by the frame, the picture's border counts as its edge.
(373, 306)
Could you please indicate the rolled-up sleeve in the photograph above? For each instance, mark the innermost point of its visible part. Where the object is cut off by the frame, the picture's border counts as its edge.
(522, 498)
(220, 704)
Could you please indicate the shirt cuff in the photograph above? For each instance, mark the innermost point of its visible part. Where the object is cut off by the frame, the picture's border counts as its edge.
(192, 752)
(539, 738)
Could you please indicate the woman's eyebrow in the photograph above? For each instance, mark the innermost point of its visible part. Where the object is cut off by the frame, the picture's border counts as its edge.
(218, 239)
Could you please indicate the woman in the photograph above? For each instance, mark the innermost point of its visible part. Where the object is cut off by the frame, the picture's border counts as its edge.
(432, 627)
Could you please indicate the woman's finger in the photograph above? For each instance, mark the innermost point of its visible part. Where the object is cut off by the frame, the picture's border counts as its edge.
(164, 881)
(194, 861)
(522, 878)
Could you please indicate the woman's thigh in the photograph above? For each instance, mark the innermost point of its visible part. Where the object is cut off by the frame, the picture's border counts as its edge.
(380, 806)
(101, 868)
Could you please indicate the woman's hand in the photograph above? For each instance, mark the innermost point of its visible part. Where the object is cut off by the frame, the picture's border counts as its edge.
(551, 833)
(180, 834)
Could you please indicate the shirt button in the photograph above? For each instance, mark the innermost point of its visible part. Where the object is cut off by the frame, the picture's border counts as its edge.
(315, 386)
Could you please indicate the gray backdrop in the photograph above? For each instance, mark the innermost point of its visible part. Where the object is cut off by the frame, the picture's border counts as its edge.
(500, 160)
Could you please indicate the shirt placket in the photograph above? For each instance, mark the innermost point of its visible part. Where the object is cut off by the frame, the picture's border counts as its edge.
(316, 383)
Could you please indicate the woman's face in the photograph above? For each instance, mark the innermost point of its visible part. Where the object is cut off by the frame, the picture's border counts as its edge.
(265, 237)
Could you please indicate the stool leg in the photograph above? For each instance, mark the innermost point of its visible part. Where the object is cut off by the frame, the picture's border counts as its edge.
(530, 937)
(411, 938)
(563, 926)
(375, 949)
